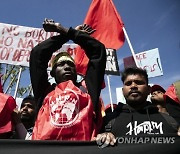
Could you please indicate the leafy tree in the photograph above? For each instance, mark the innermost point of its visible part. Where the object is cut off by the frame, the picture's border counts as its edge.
(9, 80)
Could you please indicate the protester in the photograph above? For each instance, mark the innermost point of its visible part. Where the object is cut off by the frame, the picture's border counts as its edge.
(157, 98)
(137, 118)
(7, 105)
(67, 112)
(25, 118)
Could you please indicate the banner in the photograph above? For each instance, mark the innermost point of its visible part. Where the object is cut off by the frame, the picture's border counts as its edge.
(149, 60)
(16, 43)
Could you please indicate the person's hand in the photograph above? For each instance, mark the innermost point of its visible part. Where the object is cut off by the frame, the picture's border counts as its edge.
(50, 25)
(16, 116)
(85, 28)
(105, 139)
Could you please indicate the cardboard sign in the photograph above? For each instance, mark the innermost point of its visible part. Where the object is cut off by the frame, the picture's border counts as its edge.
(149, 60)
(16, 43)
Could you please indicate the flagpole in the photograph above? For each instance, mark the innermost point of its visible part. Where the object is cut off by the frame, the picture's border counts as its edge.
(109, 87)
(130, 46)
(17, 85)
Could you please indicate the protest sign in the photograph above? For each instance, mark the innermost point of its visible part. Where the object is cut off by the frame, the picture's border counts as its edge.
(112, 67)
(16, 43)
(149, 60)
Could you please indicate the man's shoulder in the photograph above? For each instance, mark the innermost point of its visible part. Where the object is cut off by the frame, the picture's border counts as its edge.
(117, 110)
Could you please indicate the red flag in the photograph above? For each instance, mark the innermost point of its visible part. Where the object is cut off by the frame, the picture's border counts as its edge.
(103, 17)
(81, 61)
(172, 92)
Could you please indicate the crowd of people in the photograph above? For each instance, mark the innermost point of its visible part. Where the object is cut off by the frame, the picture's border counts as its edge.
(72, 111)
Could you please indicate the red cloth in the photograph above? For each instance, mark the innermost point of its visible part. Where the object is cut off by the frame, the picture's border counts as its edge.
(81, 61)
(103, 17)
(66, 114)
(171, 92)
(7, 105)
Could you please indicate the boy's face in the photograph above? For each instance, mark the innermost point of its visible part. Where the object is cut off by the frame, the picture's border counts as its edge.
(65, 70)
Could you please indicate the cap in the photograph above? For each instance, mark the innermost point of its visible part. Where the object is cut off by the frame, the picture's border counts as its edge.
(62, 56)
(157, 87)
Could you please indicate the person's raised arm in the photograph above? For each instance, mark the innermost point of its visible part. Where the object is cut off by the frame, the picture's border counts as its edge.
(40, 56)
(96, 53)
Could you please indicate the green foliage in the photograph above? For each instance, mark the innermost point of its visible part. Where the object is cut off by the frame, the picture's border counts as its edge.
(9, 80)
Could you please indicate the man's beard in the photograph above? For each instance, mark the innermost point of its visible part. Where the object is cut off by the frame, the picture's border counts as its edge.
(26, 118)
(136, 103)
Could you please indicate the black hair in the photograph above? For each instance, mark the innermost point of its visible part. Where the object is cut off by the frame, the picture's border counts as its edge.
(29, 97)
(134, 71)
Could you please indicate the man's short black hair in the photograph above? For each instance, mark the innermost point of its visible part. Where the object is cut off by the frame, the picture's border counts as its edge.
(134, 71)
(29, 97)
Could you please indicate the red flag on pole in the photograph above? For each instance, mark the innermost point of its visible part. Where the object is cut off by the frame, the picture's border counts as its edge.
(102, 16)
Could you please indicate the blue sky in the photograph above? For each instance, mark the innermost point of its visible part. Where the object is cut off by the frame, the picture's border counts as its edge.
(149, 24)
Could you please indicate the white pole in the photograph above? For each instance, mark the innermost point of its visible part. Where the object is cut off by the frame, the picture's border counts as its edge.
(30, 90)
(109, 87)
(130, 46)
(17, 85)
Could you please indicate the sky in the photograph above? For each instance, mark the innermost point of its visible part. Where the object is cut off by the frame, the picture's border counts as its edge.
(149, 24)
